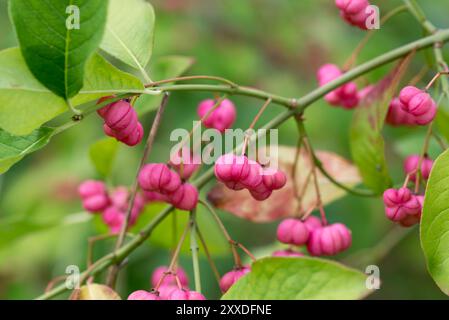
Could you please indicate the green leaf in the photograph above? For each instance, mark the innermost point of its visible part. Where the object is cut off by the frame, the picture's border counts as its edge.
(25, 104)
(366, 141)
(102, 154)
(103, 79)
(54, 48)
(164, 68)
(435, 223)
(129, 33)
(14, 148)
(299, 279)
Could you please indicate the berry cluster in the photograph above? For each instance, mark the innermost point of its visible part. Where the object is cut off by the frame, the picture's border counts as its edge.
(238, 173)
(346, 95)
(159, 181)
(167, 286)
(112, 206)
(221, 118)
(401, 205)
(121, 122)
(354, 12)
(413, 107)
(321, 240)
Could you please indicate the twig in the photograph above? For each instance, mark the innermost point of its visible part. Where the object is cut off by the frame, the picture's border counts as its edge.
(208, 255)
(253, 123)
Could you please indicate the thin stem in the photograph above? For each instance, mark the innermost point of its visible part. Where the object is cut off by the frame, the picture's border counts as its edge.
(253, 123)
(148, 146)
(194, 249)
(208, 255)
(435, 78)
(156, 83)
(174, 259)
(232, 243)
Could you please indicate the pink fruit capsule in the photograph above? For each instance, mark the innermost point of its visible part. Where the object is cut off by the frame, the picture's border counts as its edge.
(292, 231)
(231, 277)
(329, 240)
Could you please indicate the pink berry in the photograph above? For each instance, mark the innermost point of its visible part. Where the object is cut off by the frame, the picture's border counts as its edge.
(231, 277)
(183, 294)
(396, 115)
(121, 122)
(231, 170)
(411, 220)
(143, 295)
(185, 197)
(399, 203)
(419, 104)
(158, 177)
(346, 95)
(221, 118)
(292, 231)
(91, 188)
(329, 240)
(96, 203)
(170, 278)
(94, 196)
(274, 179)
(287, 253)
(254, 177)
(185, 162)
(354, 12)
(411, 164)
(261, 192)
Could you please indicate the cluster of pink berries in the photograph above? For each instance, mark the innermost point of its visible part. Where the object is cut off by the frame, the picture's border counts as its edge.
(169, 287)
(401, 205)
(121, 122)
(160, 182)
(354, 12)
(346, 95)
(413, 107)
(238, 173)
(112, 206)
(321, 240)
(221, 118)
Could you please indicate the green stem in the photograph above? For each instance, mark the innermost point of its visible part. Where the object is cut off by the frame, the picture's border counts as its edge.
(194, 250)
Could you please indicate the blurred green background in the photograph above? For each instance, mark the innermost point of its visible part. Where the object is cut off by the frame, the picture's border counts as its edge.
(276, 45)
